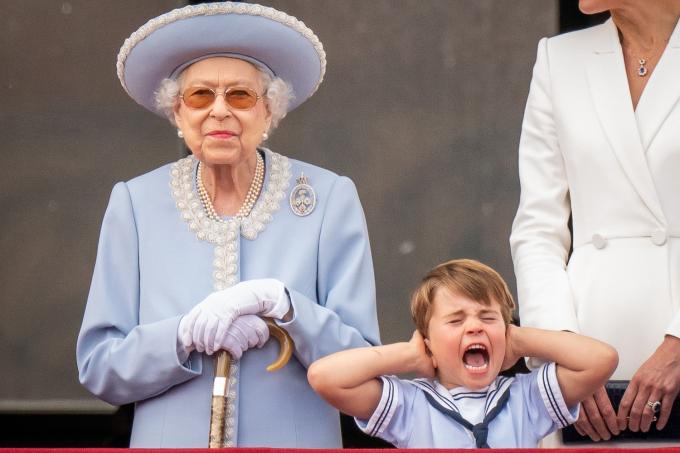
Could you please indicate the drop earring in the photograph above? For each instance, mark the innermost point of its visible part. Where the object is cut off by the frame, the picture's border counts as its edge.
(180, 134)
(265, 136)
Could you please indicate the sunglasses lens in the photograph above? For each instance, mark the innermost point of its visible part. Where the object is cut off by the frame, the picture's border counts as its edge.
(241, 98)
(198, 98)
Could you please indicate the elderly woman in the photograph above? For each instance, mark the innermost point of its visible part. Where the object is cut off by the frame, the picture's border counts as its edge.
(192, 255)
(601, 143)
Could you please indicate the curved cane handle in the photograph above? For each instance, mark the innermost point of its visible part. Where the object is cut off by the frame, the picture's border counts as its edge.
(285, 342)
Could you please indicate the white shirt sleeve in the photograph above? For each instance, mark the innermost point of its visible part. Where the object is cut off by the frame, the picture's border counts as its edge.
(392, 419)
(546, 409)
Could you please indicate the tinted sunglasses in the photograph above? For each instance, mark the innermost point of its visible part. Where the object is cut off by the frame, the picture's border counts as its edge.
(239, 98)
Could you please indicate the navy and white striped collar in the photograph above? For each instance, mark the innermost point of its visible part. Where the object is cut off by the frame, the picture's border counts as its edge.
(441, 395)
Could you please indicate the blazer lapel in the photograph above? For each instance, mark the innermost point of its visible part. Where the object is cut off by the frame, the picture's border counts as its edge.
(662, 92)
(611, 97)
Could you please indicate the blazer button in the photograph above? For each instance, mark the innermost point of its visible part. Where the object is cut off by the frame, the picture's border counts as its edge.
(659, 237)
(599, 241)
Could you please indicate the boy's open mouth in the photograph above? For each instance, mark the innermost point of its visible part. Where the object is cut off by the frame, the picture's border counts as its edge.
(476, 357)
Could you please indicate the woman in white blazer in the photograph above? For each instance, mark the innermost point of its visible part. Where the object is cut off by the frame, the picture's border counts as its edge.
(601, 144)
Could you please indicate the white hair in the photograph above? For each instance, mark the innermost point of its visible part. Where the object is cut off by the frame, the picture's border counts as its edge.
(277, 94)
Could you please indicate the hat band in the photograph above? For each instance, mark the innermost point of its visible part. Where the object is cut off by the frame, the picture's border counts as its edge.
(178, 70)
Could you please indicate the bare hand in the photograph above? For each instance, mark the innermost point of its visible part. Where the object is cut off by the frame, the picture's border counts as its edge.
(658, 379)
(597, 418)
(423, 366)
(511, 356)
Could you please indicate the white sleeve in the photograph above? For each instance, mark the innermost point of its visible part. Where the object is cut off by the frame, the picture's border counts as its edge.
(392, 420)
(540, 236)
(551, 394)
(546, 410)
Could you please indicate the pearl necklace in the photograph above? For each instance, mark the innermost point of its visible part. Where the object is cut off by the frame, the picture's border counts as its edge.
(251, 196)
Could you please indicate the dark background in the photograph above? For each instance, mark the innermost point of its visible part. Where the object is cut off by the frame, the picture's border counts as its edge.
(421, 107)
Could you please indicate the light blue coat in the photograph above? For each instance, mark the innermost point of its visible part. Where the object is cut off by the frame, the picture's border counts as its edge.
(151, 269)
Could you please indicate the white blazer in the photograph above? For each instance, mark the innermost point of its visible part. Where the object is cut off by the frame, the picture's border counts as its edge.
(585, 152)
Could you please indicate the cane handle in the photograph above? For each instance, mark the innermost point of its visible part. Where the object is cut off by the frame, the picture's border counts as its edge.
(285, 345)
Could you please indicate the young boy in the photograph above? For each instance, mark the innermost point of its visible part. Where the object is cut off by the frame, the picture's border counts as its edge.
(462, 310)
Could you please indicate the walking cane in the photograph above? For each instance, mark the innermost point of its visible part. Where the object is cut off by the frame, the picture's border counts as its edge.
(219, 398)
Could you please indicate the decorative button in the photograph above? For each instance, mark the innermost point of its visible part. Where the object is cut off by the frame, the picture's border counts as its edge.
(599, 241)
(659, 237)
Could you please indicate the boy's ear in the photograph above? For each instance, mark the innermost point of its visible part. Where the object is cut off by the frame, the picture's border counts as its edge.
(429, 352)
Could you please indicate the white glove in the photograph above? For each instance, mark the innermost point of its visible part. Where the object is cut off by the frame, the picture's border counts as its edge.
(211, 318)
(245, 332)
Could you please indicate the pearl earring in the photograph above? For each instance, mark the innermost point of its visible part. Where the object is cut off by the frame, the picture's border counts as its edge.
(180, 134)
(265, 136)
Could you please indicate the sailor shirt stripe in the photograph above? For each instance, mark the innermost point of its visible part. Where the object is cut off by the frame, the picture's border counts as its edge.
(386, 406)
(501, 383)
(552, 396)
(427, 386)
(470, 395)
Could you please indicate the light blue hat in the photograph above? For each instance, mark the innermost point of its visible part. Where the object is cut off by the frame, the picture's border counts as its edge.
(273, 40)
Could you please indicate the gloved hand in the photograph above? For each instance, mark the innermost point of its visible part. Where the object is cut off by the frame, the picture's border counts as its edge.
(201, 326)
(245, 332)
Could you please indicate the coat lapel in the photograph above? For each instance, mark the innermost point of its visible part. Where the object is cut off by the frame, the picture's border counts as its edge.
(611, 97)
(662, 92)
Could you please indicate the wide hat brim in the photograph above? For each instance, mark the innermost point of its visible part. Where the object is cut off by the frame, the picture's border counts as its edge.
(273, 40)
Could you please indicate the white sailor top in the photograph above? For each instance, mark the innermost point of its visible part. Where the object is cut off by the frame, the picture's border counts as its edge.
(517, 412)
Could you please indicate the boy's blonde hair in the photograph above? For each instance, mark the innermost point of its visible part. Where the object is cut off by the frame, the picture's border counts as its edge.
(468, 278)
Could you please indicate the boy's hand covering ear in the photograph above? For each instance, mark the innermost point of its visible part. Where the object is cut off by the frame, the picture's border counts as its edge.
(511, 356)
(424, 365)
